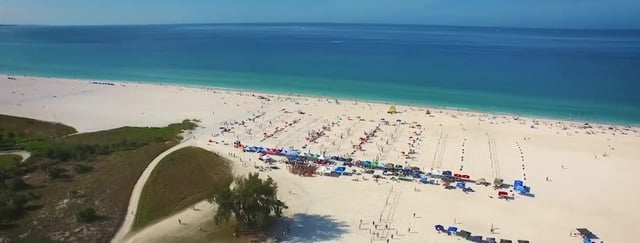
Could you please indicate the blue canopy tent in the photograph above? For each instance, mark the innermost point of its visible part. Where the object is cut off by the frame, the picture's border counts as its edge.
(447, 173)
(439, 228)
(519, 186)
(461, 185)
(340, 169)
(452, 230)
(366, 164)
(424, 180)
(406, 171)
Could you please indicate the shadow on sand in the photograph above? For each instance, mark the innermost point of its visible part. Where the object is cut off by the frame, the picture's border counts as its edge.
(313, 228)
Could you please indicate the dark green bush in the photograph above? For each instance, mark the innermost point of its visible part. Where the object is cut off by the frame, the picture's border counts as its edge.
(86, 215)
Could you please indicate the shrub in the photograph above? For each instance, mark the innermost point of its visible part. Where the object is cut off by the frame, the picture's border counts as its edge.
(82, 168)
(86, 215)
(54, 172)
(17, 184)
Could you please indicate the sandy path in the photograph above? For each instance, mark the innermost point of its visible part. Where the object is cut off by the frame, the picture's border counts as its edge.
(24, 154)
(137, 190)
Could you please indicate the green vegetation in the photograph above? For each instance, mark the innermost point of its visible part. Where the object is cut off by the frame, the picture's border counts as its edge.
(86, 215)
(9, 161)
(181, 179)
(57, 178)
(82, 168)
(20, 129)
(252, 202)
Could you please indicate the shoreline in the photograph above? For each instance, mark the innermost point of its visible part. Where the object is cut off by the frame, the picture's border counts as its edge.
(341, 99)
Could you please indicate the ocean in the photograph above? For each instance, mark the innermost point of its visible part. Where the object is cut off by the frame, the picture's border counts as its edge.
(585, 75)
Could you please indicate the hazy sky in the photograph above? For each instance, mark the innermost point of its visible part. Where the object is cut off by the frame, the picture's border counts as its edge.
(523, 13)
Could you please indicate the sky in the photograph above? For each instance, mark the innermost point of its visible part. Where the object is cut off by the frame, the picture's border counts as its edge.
(601, 14)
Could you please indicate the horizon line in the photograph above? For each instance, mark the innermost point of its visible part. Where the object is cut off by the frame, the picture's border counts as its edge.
(325, 23)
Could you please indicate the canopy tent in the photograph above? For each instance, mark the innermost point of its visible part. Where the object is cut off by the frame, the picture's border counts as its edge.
(340, 169)
(322, 170)
(366, 164)
(464, 234)
(460, 185)
(392, 110)
(439, 227)
(452, 229)
(497, 182)
(406, 171)
(587, 235)
(519, 186)
(435, 172)
(374, 164)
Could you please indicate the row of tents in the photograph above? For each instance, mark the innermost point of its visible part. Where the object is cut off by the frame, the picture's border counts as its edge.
(452, 230)
(294, 155)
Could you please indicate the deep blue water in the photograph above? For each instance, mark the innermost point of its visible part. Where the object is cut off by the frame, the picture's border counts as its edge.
(591, 75)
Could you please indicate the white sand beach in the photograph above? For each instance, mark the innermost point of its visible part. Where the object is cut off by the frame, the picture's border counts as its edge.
(581, 176)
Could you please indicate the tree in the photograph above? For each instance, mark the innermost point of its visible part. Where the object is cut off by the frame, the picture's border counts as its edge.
(252, 201)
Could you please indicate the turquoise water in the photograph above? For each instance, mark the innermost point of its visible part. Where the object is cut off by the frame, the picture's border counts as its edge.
(591, 75)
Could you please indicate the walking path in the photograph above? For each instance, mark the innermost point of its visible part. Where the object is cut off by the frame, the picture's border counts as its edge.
(125, 228)
(24, 154)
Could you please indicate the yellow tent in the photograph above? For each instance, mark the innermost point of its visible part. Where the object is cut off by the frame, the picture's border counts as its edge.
(392, 110)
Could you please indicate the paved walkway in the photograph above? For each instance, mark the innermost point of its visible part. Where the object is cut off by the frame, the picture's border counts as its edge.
(125, 228)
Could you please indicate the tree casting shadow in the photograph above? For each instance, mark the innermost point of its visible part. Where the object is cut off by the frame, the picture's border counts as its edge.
(313, 228)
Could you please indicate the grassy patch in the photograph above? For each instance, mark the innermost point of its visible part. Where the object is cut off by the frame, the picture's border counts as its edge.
(116, 159)
(9, 161)
(23, 128)
(181, 179)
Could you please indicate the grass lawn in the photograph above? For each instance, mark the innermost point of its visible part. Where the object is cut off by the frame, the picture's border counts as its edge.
(9, 161)
(118, 157)
(181, 179)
